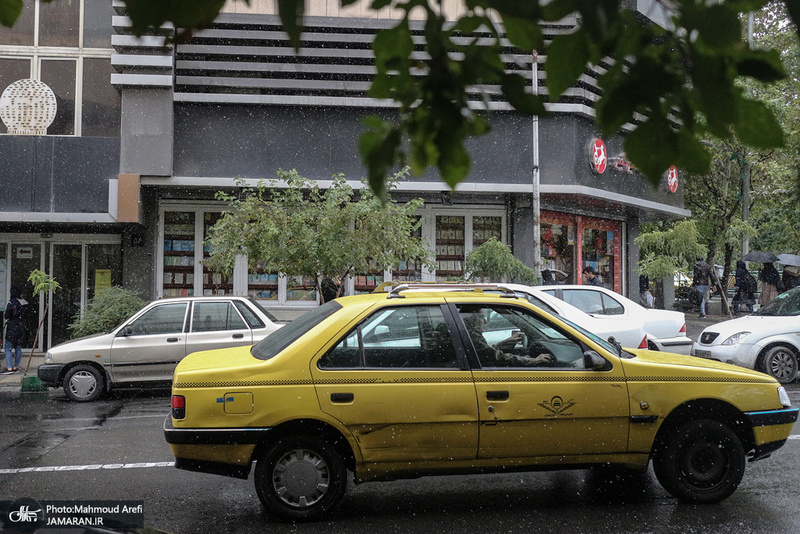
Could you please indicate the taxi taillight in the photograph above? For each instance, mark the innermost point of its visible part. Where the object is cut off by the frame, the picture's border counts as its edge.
(178, 407)
(643, 344)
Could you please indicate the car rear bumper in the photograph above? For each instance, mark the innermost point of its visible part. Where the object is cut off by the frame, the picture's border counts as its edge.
(49, 374)
(219, 451)
(677, 345)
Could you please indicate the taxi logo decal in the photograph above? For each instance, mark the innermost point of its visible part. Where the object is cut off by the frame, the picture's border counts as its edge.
(556, 406)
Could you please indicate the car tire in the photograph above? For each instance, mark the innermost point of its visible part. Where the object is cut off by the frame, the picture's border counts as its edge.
(780, 363)
(300, 478)
(700, 461)
(84, 383)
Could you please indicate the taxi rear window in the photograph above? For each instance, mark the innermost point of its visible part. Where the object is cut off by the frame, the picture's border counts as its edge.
(283, 337)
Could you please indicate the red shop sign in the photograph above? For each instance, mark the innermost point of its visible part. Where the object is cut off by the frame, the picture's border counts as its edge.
(599, 156)
(672, 179)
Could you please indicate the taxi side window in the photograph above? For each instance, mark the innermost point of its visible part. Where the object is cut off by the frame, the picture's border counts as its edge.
(511, 337)
(396, 338)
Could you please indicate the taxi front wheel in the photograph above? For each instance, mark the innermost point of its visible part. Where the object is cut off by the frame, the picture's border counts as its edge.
(700, 461)
(300, 478)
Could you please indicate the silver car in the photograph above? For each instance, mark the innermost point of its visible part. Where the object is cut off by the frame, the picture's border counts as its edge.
(666, 329)
(145, 349)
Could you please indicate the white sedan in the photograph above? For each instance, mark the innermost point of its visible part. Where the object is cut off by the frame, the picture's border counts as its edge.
(768, 341)
(628, 332)
(666, 329)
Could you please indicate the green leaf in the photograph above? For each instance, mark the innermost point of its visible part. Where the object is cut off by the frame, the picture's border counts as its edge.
(514, 88)
(9, 12)
(693, 157)
(763, 65)
(719, 26)
(379, 146)
(652, 147)
(525, 34)
(756, 125)
(291, 13)
(567, 57)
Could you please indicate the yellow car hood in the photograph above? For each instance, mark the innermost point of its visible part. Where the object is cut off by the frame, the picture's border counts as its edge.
(648, 361)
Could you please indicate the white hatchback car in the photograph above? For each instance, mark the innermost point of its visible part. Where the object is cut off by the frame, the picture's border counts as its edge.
(766, 341)
(666, 329)
(145, 349)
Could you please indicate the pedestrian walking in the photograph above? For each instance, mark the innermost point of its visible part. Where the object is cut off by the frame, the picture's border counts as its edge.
(746, 286)
(591, 278)
(701, 282)
(791, 277)
(16, 330)
(770, 283)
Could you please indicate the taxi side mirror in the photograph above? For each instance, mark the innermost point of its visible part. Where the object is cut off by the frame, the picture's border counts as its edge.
(593, 361)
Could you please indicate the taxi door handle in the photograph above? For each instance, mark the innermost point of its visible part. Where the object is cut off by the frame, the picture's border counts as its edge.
(497, 395)
(342, 397)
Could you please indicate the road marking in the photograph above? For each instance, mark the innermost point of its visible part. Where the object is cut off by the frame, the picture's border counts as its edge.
(794, 436)
(88, 467)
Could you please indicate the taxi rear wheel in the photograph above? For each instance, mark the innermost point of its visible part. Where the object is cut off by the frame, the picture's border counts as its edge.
(781, 364)
(701, 461)
(300, 478)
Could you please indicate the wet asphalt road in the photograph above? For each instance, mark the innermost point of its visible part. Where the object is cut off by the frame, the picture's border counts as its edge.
(53, 449)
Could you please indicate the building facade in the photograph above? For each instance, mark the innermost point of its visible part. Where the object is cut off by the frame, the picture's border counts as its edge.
(121, 189)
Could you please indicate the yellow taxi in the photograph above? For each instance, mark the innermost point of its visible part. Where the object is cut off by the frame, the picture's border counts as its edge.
(412, 383)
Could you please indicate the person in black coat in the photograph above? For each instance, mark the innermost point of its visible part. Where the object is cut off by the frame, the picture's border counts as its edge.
(745, 289)
(16, 330)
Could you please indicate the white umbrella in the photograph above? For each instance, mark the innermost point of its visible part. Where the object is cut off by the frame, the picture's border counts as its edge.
(789, 259)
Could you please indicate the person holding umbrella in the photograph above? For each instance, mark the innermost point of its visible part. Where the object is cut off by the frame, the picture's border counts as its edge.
(791, 270)
(770, 283)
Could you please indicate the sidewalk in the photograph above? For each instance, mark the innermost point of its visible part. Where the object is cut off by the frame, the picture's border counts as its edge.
(15, 380)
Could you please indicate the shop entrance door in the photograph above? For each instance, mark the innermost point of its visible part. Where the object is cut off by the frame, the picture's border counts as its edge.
(24, 259)
(66, 304)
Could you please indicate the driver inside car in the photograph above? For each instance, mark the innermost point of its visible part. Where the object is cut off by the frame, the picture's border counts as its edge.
(496, 355)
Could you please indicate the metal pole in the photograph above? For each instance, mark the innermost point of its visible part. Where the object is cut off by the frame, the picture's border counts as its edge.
(537, 231)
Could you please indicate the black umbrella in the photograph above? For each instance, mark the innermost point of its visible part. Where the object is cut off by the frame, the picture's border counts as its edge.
(760, 257)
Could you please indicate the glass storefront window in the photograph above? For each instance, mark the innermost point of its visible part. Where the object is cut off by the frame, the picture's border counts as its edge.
(558, 251)
(485, 228)
(301, 288)
(101, 102)
(58, 23)
(21, 33)
(598, 252)
(59, 75)
(449, 247)
(97, 28)
(409, 271)
(104, 268)
(262, 284)
(367, 282)
(13, 69)
(214, 283)
(179, 253)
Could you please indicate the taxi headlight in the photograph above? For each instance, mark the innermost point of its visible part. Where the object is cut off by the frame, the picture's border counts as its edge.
(735, 339)
(48, 358)
(784, 397)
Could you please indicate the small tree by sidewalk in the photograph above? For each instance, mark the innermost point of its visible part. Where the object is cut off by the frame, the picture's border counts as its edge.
(41, 282)
(297, 228)
(494, 261)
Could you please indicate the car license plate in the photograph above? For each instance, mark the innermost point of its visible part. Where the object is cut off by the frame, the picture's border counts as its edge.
(703, 353)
